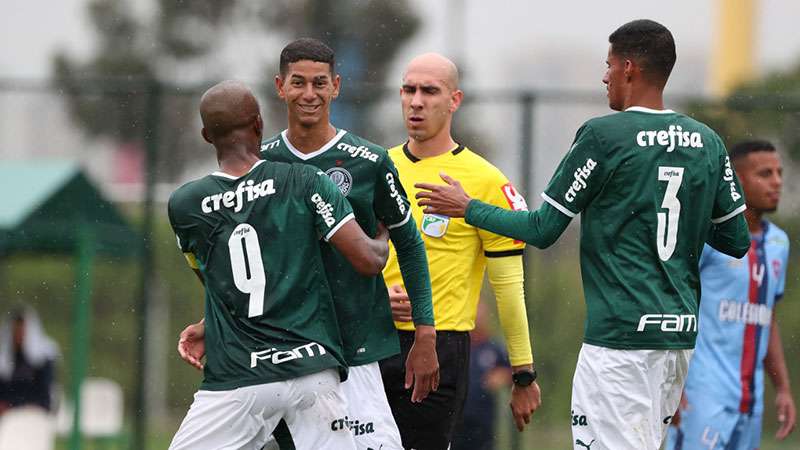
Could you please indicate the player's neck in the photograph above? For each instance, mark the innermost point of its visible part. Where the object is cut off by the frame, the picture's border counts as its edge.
(435, 146)
(647, 97)
(754, 219)
(236, 161)
(310, 139)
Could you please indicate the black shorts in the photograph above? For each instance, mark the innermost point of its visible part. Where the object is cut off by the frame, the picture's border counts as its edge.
(429, 425)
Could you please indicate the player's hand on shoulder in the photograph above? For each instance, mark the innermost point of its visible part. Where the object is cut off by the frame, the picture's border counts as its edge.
(525, 400)
(401, 307)
(192, 344)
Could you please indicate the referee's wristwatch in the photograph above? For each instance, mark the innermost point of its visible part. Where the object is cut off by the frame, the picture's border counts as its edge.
(524, 377)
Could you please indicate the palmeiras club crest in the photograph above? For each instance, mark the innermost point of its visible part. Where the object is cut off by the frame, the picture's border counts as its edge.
(341, 178)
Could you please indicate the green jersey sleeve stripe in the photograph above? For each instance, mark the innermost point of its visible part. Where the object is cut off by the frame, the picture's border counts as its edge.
(336, 227)
(402, 222)
(558, 206)
(729, 215)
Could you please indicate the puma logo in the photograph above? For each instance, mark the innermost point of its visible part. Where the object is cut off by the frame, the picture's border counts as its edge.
(588, 446)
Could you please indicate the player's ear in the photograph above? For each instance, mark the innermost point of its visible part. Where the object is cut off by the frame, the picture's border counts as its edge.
(279, 86)
(205, 135)
(336, 83)
(456, 97)
(629, 68)
(259, 125)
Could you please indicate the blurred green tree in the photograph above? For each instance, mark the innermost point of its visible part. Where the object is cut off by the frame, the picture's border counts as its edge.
(765, 108)
(181, 46)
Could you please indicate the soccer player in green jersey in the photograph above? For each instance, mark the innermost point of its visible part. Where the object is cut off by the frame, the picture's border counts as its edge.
(652, 186)
(251, 231)
(365, 174)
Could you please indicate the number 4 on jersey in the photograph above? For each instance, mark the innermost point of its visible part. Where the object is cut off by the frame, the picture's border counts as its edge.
(668, 222)
(247, 267)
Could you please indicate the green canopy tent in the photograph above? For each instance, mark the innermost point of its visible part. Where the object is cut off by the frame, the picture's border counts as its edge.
(52, 208)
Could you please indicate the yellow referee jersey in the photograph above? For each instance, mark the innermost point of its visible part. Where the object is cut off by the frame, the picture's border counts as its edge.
(456, 251)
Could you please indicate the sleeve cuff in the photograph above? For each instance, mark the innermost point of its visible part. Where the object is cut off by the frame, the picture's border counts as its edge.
(724, 218)
(336, 227)
(558, 206)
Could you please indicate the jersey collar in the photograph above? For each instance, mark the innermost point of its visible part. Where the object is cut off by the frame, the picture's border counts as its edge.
(414, 159)
(231, 177)
(307, 156)
(649, 110)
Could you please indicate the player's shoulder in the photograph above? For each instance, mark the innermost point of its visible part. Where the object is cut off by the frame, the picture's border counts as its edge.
(357, 147)
(776, 236)
(191, 189)
(396, 151)
(480, 167)
(189, 195)
(271, 144)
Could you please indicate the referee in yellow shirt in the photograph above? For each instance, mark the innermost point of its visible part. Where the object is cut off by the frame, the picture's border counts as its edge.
(458, 255)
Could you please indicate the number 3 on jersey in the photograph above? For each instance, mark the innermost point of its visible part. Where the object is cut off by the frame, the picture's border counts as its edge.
(667, 230)
(247, 267)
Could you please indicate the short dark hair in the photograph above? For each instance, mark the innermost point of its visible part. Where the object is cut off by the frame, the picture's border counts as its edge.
(649, 43)
(744, 148)
(307, 49)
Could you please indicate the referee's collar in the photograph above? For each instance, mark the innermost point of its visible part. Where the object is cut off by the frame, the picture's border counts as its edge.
(459, 148)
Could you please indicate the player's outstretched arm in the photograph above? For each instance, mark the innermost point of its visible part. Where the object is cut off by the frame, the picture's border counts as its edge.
(368, 256)
(730, 237)
(540, 228)
(775, 363)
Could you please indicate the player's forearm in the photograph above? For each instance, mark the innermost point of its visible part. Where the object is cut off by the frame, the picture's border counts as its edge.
(413, 263)
(540, 228)
(506, 276)
(775, 361)
(730, 237)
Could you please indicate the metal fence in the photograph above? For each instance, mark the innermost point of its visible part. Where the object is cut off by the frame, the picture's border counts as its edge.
(139, 139)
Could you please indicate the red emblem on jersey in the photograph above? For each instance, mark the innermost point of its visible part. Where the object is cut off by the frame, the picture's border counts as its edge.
(515, 200)
(776, 267)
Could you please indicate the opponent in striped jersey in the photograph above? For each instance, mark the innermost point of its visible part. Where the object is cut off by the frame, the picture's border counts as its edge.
(723, 401)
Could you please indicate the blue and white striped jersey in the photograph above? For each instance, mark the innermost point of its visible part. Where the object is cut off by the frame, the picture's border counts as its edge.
(736, 304)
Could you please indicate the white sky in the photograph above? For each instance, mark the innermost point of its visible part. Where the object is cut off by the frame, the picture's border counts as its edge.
(522, 42)
(498, 44)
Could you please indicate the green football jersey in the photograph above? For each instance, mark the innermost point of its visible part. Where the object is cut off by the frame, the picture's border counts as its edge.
(366, 175)
(648, 185)
(269, 313)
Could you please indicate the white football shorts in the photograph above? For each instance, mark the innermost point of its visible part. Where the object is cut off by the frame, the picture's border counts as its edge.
(243, 418)
(369, 417)
(625, 399)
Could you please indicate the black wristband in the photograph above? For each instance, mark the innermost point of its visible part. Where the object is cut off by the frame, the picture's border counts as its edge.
(524, 377)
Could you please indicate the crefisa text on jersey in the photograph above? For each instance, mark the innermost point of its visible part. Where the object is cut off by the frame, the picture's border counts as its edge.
(728, 178)
(394, 194)
(324, 209)
(672, 137)
(235, 199)
(581, 175)
(361, 151)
